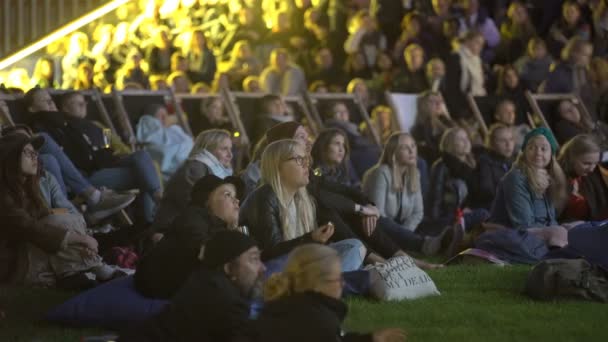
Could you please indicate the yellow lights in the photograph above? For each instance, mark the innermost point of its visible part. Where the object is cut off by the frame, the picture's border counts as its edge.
(62, 32)
(237, 134)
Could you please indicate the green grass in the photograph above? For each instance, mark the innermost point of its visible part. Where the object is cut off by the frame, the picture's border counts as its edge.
(478, 303)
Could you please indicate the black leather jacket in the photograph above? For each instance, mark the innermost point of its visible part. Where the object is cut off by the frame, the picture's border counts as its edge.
(261, 214)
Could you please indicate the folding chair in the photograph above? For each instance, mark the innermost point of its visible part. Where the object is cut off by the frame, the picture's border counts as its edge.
(537, 115)
(405, 109)
(130, 106)
(358, 113)
(96, 110)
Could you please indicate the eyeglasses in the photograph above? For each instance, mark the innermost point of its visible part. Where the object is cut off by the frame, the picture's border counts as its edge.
(301, 160)
(30, 154)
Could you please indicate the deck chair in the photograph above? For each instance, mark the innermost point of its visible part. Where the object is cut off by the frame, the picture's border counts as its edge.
(405, 109)
(96, 110)
(16, 108)
(130, 106)
(358, 112)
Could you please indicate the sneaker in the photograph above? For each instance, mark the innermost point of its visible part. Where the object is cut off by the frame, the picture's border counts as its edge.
(109, 204)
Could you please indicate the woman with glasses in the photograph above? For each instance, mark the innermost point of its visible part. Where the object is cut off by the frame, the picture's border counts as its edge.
(281, 214)
(39, 245)
(309, 290)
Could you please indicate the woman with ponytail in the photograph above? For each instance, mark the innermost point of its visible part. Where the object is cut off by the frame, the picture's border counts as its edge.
(309, 290)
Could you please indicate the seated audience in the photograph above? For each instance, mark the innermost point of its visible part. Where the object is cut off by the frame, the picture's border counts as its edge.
(309, 289)
(534, 66)
(164, 139)
(213, 207)
(465, 74)
(214, 303)
(211, 116)
(506, 114)
(528, 194)
(364, 152)
(84, 143)
(579, 158)
(431, 122)
(454, 180)
(412, 79)
(201, 60)
(44, 246)
(211, 154)
(282, 77)
(494, 163)
(281, 214)
(101, 203)
(330, 154)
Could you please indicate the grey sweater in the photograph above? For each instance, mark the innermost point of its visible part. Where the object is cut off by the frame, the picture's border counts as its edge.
(378, 185)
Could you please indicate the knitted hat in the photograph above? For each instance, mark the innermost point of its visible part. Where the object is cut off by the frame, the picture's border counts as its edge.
(284, 130)
(541, 131)
(206, 185)
(225, 246)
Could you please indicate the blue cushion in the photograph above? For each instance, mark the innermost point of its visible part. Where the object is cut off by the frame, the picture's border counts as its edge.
(113, 305)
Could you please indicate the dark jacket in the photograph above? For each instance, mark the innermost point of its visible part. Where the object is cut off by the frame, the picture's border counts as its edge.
(209, 307)
(261, 214)
(595, 191)
(82, 140)
(205, 72)
(158, 64)
(410, 82)
(565, 130)
(492, 167)
(169, 264)
(177, 193)
(303, 317)
(452, 181)
(455, 98)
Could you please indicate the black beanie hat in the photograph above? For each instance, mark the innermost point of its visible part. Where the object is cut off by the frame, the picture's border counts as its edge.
(225, 246)
(205, 186)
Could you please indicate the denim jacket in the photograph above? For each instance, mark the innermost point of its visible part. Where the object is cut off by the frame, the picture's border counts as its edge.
(517, 206)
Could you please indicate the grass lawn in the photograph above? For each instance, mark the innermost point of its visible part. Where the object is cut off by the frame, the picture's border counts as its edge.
(478, 303)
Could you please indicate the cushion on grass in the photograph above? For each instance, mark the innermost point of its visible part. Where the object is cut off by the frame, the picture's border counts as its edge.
(113, 305)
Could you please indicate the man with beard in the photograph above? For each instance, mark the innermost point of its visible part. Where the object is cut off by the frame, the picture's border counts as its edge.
(213, 305)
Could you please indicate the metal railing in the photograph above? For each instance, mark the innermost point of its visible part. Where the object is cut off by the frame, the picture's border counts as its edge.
(24, 21)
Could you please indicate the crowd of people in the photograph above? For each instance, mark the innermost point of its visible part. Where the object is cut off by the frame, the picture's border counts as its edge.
(309, 207)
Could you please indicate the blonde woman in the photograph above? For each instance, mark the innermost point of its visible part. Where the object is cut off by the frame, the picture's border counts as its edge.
(452, 176)
(393, 185)
(309, 290)
(281, 214)
(211, 154)
(529, 193)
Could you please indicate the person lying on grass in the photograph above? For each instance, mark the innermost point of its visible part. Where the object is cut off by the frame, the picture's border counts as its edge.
(303, 302)
(214, 304)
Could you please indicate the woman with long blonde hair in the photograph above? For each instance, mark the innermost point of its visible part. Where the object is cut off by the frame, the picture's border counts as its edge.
(529, 193)
(394, 186)
(281, 214)
(309, 290)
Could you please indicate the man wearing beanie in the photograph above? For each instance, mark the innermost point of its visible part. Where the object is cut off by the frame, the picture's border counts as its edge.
(214, 207)
(213, 305)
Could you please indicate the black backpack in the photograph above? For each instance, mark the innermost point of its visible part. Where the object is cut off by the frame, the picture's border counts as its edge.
(567, 278)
